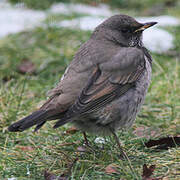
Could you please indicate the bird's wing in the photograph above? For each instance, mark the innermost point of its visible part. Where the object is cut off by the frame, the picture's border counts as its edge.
(109, 80)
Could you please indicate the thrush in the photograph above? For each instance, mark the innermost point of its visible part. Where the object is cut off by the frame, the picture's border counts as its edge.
(105, 84)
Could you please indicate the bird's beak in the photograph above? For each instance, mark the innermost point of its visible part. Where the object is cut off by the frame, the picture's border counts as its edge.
(145, 26)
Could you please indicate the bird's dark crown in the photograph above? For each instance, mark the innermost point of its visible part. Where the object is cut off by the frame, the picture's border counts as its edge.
(121, 22)
(122, 29)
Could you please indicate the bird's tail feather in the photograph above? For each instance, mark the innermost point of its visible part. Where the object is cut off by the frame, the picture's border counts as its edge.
(36, 118)
(61, 122)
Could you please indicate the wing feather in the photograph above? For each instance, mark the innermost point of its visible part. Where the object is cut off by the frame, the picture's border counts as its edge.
(103, 87)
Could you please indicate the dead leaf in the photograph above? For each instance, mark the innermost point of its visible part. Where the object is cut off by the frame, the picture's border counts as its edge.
(71, 130)
(111, 168)
(25, 148)
(82, 149)
(7, 78)
(70, 166)
(146, 132)
(164, 143)
(147, 172)
(26, 66)
(49, 176)
(64, 176)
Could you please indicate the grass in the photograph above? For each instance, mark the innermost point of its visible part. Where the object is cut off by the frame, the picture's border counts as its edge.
(26, 155)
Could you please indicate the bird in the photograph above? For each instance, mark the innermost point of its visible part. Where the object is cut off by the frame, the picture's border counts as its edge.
(104, 86)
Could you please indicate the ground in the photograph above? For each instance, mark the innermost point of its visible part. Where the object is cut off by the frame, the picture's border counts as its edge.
(27, 155)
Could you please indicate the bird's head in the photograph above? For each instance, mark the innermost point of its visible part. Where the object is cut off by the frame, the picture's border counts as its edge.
(123, 29)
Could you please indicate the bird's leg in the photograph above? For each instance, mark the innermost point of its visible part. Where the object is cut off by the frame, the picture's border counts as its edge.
(87, 142)
(119, 145)
(124, 155)
(85, 139)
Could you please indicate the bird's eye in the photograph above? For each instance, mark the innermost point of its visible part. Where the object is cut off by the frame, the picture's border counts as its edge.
(125, 30)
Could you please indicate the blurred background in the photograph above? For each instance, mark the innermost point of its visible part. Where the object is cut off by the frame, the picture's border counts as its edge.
(38, 39)
(146, 7)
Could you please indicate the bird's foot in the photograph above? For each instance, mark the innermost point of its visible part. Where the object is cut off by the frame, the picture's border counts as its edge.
(87, 144)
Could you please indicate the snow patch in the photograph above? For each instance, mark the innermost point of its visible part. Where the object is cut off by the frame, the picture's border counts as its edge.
(84, 23)
(99, 140)
(162, 20)
(15, 19)
(158, 40)
(69, 8)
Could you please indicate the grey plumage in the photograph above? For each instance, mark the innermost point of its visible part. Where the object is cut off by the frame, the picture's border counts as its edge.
(105, 85)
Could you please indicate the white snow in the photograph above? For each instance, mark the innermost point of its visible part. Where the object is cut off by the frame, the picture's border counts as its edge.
(68, 8)
(99, 140)
(28, 171)
(84, 23)
(158, 40)
(162, 20)
(103, 10)
(17, 18)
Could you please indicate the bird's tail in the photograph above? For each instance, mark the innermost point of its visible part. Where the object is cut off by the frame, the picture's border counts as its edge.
(37, 118)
